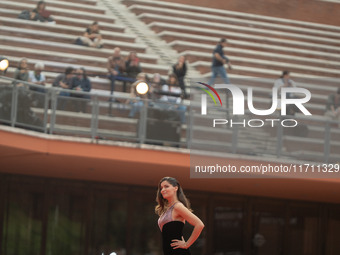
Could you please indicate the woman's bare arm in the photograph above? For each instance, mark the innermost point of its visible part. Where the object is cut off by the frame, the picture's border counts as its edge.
(193, 220)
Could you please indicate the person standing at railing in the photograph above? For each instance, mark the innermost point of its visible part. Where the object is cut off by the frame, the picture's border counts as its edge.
(64, 81)
(218, 62)
(333, 107)
(180, 69)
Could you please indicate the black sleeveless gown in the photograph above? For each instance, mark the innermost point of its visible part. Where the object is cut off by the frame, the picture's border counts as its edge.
(173, 230)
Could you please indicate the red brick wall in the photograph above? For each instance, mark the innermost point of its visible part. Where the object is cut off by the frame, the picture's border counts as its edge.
(305, 10)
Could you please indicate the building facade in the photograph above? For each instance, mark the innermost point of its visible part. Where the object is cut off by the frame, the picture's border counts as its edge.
(40, 215)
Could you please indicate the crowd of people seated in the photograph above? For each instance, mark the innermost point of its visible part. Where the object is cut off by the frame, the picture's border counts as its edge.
(166, 94)
(126, 70)
(73, 79)
(122, 70)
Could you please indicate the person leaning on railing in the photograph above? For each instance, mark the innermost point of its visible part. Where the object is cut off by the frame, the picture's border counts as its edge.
(37, 77)
(21, 73)
(173, 97)
(64, 81)
(156, 84)
(81, 83)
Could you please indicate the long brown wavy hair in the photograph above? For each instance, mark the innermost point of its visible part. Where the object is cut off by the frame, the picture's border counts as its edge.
(162, 203)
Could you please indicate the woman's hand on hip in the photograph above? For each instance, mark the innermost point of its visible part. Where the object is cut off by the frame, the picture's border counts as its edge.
(179, 244)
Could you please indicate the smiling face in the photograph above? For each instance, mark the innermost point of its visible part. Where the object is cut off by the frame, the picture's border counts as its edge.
(168, 191)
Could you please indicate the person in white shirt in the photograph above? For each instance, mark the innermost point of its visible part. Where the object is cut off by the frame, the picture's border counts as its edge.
(284, 81)
(174, 97)
(37, 77)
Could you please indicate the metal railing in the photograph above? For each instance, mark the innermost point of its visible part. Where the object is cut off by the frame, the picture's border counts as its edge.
(101, 116)
(93, 115)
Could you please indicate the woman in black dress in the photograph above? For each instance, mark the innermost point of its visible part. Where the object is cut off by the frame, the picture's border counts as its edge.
(174, 209)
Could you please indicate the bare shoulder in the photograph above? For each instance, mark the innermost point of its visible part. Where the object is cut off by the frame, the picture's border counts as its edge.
(179, 206)
(183, 213)
(179, 203)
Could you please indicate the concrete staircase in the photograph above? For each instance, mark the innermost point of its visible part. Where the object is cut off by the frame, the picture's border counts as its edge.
(144, 34)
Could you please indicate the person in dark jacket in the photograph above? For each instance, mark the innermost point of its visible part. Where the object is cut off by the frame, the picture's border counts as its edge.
(92, 36)
(41, 13)
(64, 81)
(80, 82)
(218, 62)
(180, 69)
(132, 67)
